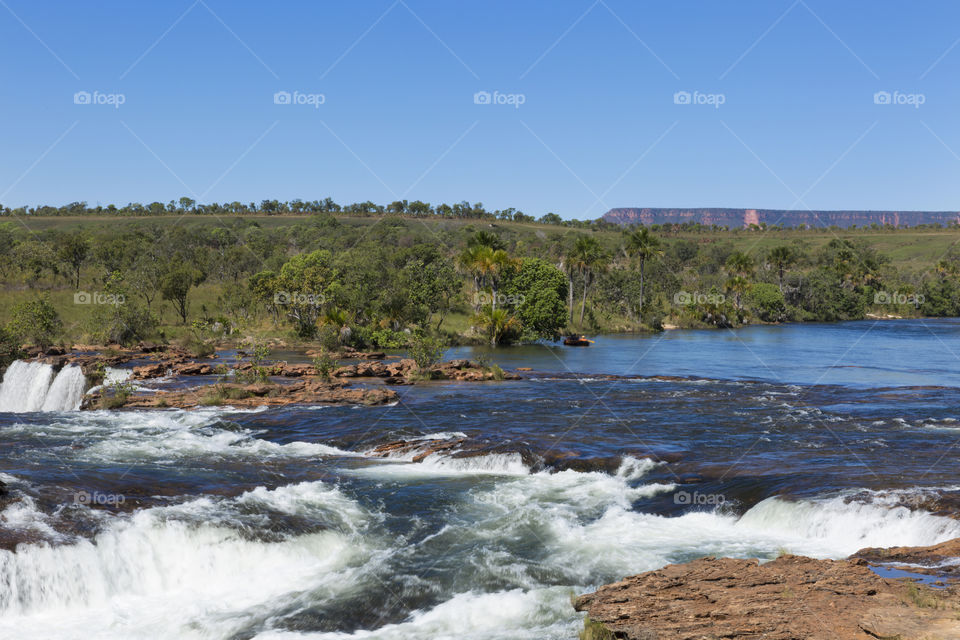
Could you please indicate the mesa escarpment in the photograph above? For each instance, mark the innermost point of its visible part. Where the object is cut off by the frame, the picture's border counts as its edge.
(741, 218)
(788, 598)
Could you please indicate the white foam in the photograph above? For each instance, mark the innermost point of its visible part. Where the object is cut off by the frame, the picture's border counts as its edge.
(23, 515)
(31, 386)
(161, 573)
(540, 614)
(24, 386)
(66, 391)
(171, 435)
(436, 464)
(837, 527)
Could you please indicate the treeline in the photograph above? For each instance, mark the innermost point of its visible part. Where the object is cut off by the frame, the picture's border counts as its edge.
(383, 284)
(187, 206)
(402, 208)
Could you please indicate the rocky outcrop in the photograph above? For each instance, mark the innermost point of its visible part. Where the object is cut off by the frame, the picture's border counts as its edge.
(406, 368)
(349, 353)
(938, 560)
(256, 395)
(789, 598)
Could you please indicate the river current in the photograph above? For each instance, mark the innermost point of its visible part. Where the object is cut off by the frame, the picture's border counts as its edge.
(602, 462)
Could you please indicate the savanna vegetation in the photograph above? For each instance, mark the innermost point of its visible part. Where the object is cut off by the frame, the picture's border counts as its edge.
(413, 274)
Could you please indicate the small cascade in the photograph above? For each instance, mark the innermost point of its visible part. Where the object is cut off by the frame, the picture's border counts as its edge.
(32, 386)
(66, 392)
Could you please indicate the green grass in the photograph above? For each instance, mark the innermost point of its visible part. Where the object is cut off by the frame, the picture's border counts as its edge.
(915, 246)
(593, 630)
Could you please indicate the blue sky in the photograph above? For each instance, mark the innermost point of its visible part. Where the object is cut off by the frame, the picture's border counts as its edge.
(599, 125)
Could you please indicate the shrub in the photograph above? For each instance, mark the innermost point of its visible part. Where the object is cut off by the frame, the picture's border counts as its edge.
(325, 364)
(426, 351)
(767, 300)
(36, 320)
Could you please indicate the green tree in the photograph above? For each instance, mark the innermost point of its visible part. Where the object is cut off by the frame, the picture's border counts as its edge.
(739, 286)
(781, 258)
(120, 320)
(306, 285)
(73, 249)
(36, 320)
(499, 324)
(175, 288)
(430, 282)
(535, 290)
(740, 264)
(768, 302)
(643, 246)
(588, 259)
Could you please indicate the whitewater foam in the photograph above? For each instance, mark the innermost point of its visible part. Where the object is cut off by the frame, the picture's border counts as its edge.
(540, 614)
(168, 435)
(31, 386)
(161, 573)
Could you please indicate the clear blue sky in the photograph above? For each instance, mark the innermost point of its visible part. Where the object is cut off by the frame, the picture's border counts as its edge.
(598, 127)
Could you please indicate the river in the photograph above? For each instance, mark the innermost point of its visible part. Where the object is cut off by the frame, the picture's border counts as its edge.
(277, 524)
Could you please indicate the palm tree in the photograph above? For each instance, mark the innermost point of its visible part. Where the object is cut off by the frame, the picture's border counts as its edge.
(476, 262)
(739, 286)
(587, 258)
(566, 266)
(644, 246)
(740, 264)
(782, 257)
(496, 263)
(498, 323)
(485, 239)
(944, 269)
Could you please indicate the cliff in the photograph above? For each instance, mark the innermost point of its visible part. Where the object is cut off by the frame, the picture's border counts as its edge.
(738, 218)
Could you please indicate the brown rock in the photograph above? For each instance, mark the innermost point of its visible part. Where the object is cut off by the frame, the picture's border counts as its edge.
(789, 598)
(193, 369)
(150, 371)
(234, 395)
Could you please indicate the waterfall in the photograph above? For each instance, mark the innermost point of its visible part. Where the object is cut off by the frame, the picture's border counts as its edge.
(31, 386)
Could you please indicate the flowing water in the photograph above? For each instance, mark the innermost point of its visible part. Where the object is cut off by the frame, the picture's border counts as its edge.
(32, 386)
(217, 523)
